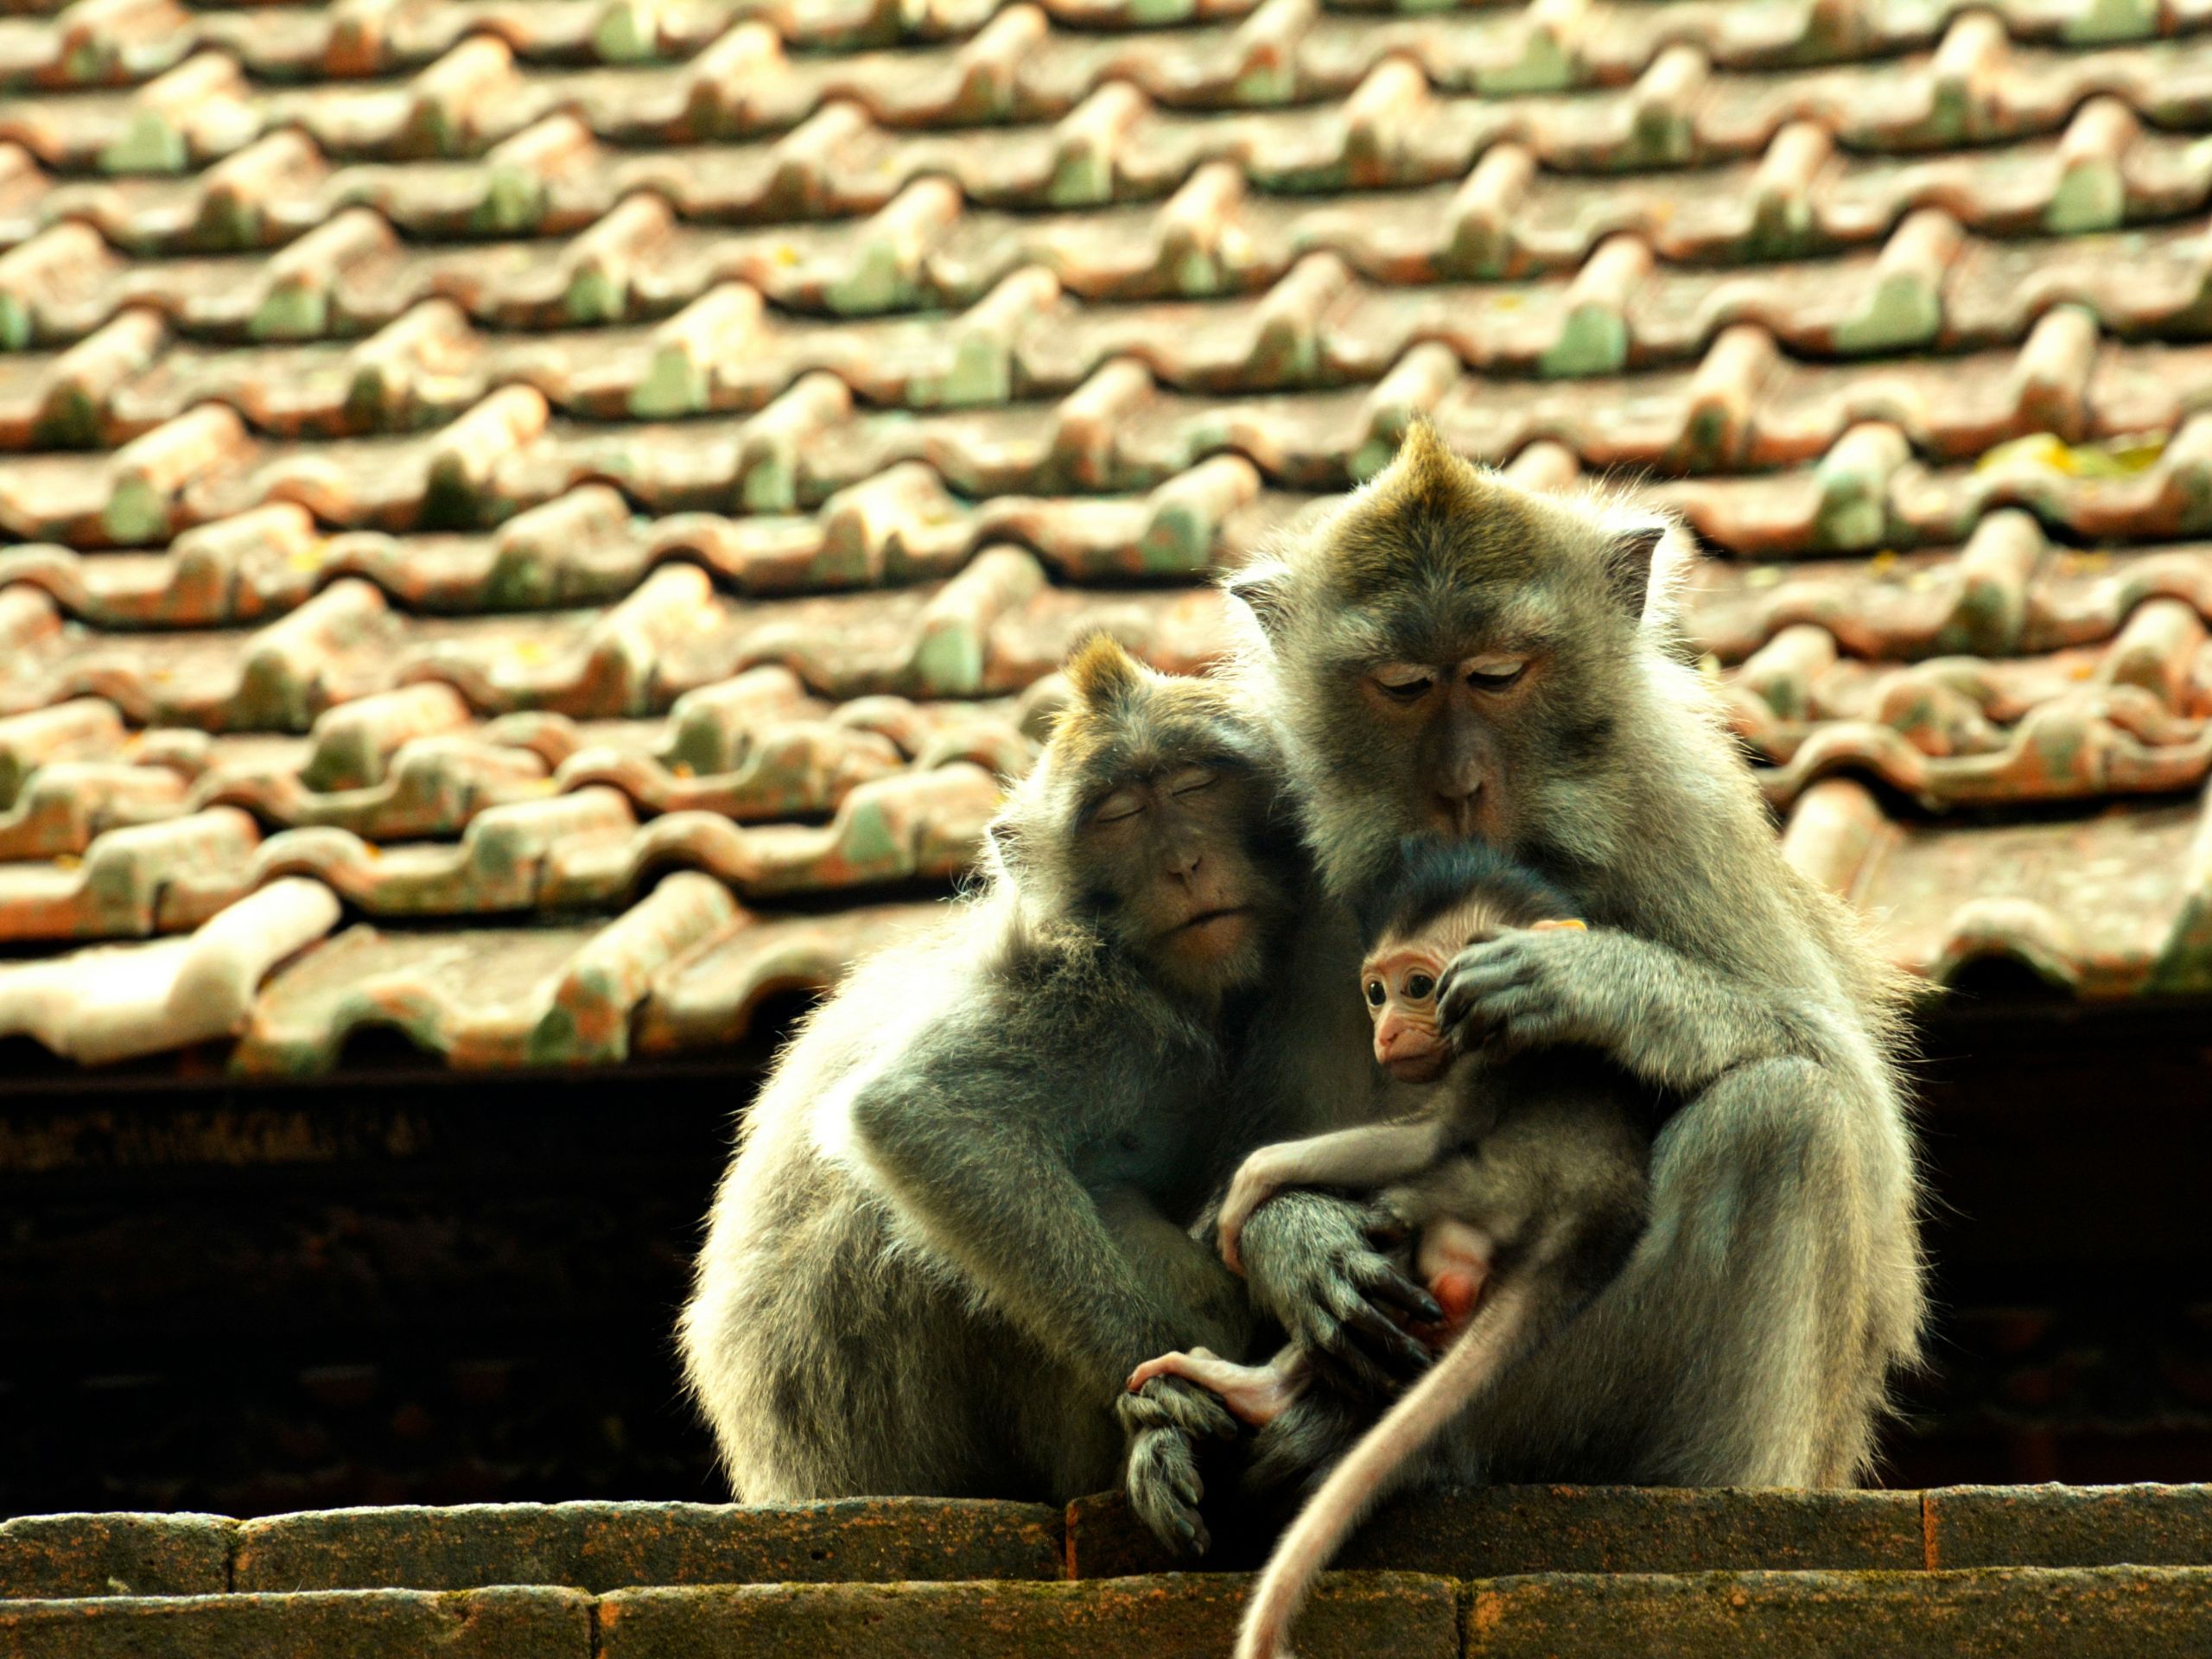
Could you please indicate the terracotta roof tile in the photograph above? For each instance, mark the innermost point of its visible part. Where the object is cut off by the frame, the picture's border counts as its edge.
(580, 473)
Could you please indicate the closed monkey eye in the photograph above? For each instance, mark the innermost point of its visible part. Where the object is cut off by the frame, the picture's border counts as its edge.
(1495, 673)
(1191, 779)
(1403, 683)
(1121, 805)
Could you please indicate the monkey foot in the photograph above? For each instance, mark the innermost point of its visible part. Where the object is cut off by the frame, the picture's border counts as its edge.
(1253, 1393)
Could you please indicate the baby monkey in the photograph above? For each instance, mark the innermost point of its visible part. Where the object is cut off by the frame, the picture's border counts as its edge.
(1522, 1185)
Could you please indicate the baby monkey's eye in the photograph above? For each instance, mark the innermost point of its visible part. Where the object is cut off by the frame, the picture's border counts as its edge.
(1375, 993)
(1419, 987)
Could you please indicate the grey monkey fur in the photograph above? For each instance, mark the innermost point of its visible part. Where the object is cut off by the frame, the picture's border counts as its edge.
(958, 1213)
(1753, 1334)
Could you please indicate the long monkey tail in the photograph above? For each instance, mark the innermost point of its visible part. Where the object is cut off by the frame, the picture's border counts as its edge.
(1491, 1337)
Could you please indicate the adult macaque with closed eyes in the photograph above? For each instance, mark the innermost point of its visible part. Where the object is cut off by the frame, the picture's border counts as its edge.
(1448, 654)
(958, 1212)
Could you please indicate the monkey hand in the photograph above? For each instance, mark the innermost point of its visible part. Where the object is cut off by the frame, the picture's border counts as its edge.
(1315, 1268)
(1163, 1418)
(1520, 990)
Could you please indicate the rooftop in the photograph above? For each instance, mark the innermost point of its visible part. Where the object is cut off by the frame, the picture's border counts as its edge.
(536, 523)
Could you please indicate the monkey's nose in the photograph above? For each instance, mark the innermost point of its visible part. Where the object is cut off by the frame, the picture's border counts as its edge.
(1457, 810)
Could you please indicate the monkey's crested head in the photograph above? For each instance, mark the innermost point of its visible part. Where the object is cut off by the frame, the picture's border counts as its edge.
(1434, 541)
(1124, 720)
(1450, 654)
(1155, 819)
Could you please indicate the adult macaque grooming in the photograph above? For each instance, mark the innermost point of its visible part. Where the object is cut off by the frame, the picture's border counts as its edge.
(958, 1212)
(1448, 654)
(1521, 1185)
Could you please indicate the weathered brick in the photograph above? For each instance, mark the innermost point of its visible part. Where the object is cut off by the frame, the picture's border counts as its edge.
(2075, 1613)
(1107, 1540)
(1397, 1615)
(1487, 1532)
(57, 1555)
(328, 1625)
(611, 1546)
(2070, 1526)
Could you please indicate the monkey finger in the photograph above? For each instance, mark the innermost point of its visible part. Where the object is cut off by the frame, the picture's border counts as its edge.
(1384, 1227)
(1164, 1488)
(1166, 1401)
(1384, 1283)
(1381, 1340)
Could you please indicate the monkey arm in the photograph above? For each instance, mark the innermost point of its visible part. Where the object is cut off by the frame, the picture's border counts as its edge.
(1672, 1021)
(993, 1191)
(1364, 1158)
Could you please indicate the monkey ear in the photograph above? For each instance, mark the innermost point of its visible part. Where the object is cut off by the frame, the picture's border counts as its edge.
(1263, 588)
(1628, 558)
(1003, 837)
(1100, 668)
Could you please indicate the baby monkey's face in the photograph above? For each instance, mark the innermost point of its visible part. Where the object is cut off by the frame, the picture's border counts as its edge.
(1400, 978)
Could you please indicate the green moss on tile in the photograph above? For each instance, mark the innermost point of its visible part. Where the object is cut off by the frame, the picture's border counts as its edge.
(291, 311)
(1176, 543)
(69, 421)
(875, 285)
(676, 383)
(1594, 341)
(770, 485)
(2101, 21)
(982, 372)
(1543, 67)
(513, 204)
(1198, 275)
(1083, 180)
(449, 499)
(627, 34)
(150, 144)
(1905, 311)
(2088, 198)
(1851, 520)
(869, 843)
(950, 663)
(593, 296)
(136, 513)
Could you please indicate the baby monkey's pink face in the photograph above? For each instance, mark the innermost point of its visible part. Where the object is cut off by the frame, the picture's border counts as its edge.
(1400, 977)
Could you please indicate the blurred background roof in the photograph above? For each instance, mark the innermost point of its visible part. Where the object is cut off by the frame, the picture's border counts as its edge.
(534, 523)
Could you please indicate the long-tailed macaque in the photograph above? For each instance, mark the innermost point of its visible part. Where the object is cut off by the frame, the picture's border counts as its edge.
(1448, 654)
(1521, 1185)
(957, 1215)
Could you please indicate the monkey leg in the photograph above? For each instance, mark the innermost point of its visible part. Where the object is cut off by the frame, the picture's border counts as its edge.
(1253, 1393)
(1747, 1339)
